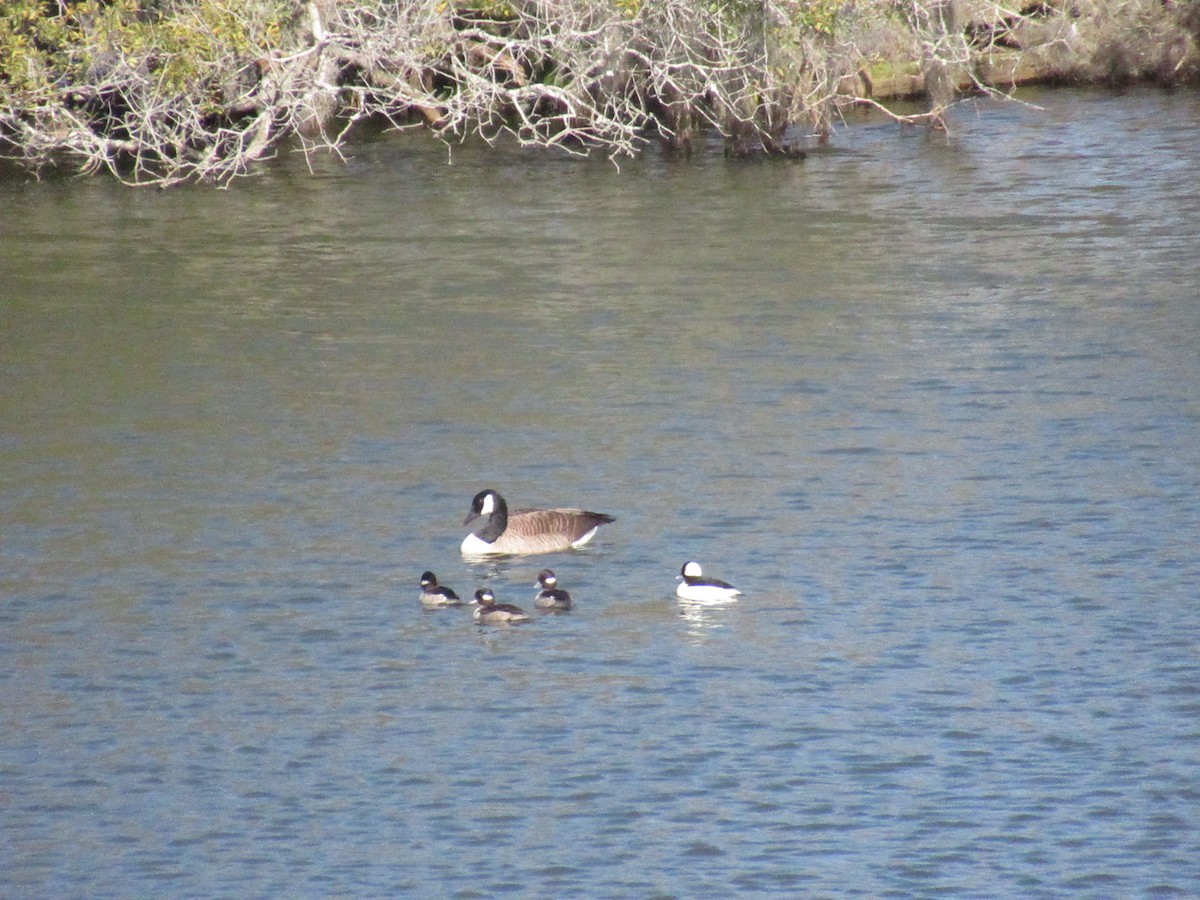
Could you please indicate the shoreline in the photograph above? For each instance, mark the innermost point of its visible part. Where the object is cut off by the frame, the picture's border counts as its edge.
(168, 98)
(998, 71)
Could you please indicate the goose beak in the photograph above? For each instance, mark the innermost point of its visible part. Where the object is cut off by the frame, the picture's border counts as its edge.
(471, 517)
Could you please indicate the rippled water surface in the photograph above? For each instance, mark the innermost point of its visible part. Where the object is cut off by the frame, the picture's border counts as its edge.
(932, 403)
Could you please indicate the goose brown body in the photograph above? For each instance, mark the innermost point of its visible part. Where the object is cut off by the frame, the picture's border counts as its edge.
(527, 531)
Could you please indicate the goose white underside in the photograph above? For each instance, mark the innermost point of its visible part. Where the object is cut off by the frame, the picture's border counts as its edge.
(473, 545)
(583, 540)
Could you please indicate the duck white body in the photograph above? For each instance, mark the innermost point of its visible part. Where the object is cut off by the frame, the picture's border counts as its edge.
(524, 532)
(694, 586)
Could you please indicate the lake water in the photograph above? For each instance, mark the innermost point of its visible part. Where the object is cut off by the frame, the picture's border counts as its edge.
(932, 403)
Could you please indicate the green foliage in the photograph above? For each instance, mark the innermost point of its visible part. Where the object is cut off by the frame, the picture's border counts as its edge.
(628, 8)
(175, 45)
(820, 16)
(485, 10)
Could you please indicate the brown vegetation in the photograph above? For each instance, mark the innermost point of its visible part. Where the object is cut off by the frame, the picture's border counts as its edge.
(161, 91)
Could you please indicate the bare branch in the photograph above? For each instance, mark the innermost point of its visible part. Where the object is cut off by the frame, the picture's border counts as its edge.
(184, 90)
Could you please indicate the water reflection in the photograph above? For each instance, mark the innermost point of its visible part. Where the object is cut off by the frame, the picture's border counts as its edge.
(702, 617)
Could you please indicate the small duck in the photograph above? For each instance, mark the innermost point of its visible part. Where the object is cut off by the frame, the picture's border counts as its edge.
(694, 586)
(433, 594)
(551, 596)
(489, 612)
(526, 531)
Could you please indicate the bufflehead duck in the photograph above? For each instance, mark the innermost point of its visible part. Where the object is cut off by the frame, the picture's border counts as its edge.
(433, 594)
(551, 595)
(526, 531)
(489, 612)
(694, 586)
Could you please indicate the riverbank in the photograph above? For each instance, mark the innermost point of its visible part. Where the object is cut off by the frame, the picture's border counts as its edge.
(187, 90)
(905, 81)
(999, 71)
(1051, 43)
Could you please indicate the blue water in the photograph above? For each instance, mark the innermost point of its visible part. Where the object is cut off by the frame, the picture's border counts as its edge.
(932, 403)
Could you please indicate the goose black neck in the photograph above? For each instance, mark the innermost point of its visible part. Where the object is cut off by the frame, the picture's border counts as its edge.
(496, 522)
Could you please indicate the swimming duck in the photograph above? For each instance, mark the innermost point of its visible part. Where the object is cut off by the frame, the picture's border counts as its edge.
(551, 595)
(694, 586)
(526, 531)
(433, 594)
(489, 612)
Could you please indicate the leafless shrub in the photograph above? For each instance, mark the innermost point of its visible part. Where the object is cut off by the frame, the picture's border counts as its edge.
(172, 90)
(1121, 41)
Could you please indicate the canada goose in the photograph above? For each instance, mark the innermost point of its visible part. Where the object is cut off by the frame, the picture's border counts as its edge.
(526, 531)
(433, 594)
(489, 612)
(694, 586)
(551, 595)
